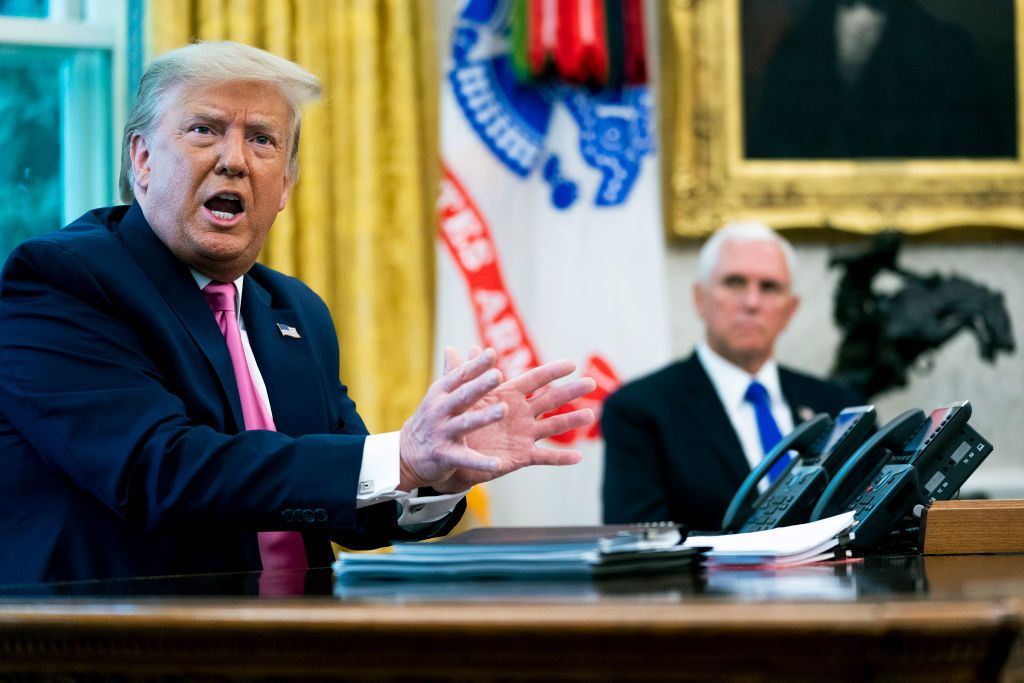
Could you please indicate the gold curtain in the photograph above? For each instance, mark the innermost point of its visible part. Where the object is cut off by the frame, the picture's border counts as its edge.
(359, 228)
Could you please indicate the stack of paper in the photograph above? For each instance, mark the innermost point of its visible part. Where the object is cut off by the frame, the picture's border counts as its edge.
(527, 552)
(824, 539)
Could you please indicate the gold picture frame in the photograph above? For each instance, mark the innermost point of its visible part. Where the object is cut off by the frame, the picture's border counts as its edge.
(709, 182)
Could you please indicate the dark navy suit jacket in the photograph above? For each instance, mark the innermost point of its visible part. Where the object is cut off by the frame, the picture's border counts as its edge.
(671, 453)
(122, 448)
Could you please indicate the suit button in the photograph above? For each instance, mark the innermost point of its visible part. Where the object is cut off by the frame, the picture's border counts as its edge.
(288, 515)
(308, 516)
(321, 515)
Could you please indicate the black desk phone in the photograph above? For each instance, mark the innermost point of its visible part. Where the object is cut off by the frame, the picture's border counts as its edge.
(911, 461)
(822, 447)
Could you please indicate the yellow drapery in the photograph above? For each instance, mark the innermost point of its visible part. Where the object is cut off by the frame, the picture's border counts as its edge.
(359, 228)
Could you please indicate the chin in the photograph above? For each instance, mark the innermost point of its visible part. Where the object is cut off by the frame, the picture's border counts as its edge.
(222, 246)
(218, 262)
(748, 353)
(748, 348)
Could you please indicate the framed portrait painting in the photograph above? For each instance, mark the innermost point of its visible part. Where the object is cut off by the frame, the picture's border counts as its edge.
(856, 115)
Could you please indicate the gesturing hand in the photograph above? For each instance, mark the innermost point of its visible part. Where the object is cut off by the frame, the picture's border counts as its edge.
(511, 441)
(432, 444)
(471, 428)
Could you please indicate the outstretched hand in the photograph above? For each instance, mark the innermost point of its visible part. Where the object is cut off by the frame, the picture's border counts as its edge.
(432, 443)
(471, 429)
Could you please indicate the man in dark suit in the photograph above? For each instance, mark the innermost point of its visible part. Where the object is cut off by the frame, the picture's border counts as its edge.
(163, 398)
(679, 442)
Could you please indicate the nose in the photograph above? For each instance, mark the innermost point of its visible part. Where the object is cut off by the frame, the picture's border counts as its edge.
(231, 161)
(752, 295)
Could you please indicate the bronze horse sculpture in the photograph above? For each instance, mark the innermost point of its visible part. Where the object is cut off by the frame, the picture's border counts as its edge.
(886, 334)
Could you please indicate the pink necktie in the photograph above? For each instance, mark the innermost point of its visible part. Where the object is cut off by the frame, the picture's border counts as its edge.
(278, 549)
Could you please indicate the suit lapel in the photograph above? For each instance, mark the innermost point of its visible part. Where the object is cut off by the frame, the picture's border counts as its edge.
(178, 288)
(286, 362)
(799, 402)
(708, 412)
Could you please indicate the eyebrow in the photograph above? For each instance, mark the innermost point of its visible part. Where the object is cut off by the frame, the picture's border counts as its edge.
(255, 124)
(759, 280)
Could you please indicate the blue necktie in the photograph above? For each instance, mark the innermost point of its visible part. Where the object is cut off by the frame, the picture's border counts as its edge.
(757, 395)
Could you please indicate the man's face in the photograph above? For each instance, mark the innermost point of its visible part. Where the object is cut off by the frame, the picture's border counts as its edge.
(747, 302)
(213, 173)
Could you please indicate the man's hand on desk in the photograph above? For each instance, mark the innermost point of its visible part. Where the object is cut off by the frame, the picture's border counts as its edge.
(470, 428)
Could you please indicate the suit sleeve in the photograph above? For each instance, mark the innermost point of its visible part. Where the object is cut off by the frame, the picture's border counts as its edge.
(373, 522)
(633, 488)
(79, 382)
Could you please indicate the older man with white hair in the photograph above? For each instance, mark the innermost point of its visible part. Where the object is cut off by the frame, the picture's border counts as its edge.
(679, 442)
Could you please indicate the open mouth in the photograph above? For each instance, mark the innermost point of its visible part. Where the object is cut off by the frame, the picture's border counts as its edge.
(225, 205)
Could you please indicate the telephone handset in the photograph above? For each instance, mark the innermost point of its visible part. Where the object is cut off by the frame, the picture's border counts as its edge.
(932, 465)
(863, 465)
(790, 497)
(800, 439)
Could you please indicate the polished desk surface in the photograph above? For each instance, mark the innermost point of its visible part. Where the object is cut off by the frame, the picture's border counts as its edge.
(950, 618)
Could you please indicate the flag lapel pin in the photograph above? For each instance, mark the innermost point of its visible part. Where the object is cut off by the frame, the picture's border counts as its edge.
(288, 331)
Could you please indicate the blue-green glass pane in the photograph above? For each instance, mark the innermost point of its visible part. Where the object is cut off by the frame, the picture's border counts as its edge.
(24, 8)
(30, 172)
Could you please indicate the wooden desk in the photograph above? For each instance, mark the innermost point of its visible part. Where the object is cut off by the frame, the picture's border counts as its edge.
(936, 619)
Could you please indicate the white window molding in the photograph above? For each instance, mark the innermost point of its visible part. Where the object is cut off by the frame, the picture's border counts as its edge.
(87, 39)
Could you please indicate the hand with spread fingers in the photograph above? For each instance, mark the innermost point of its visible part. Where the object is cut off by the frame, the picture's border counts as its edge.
(432, 444)
(503, 423)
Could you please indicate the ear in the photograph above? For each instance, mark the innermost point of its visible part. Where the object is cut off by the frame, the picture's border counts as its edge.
(138, 150)
(288, 185)
(700, 295)
(794, 303)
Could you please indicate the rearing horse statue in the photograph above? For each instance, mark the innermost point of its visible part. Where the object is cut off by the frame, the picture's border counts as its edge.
(885, 334)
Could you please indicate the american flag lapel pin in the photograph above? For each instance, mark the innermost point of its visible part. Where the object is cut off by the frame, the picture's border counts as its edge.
(288, 331)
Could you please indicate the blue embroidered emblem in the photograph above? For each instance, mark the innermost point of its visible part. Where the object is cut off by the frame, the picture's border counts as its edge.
(563, 192)
(614, 136)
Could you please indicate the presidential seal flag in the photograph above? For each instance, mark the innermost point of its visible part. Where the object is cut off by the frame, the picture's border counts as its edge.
(550, 235)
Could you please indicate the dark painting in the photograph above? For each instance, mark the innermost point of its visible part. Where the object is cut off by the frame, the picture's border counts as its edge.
(879, 79)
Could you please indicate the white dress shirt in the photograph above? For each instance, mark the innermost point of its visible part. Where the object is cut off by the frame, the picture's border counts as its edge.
(379, 472)
(731, 384)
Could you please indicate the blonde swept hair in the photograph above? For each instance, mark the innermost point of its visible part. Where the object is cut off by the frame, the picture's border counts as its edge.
(211, 63)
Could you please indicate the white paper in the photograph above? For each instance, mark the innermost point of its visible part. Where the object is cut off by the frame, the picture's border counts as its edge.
(780, 542)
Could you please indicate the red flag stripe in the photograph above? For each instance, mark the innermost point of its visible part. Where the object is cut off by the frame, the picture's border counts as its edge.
(467, 237)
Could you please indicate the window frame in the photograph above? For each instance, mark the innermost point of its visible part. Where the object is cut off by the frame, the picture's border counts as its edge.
(89, 40)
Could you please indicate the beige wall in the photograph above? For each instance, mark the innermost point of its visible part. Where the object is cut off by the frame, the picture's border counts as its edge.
(809, 344)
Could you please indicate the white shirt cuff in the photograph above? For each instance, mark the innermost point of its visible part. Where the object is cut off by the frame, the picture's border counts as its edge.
(417, 509)
(378, 475)
(378, 482)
